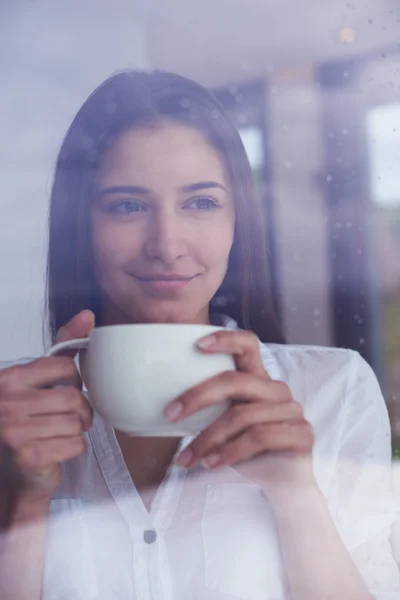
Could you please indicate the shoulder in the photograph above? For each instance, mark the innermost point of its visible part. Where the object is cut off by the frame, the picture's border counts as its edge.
(316, 361)
(330, 376)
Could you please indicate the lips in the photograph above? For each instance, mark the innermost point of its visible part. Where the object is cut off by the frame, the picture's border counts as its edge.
(164, 283)
(165, 277)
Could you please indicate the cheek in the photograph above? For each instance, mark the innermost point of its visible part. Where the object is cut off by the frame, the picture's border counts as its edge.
(112, 248)
(214, 247)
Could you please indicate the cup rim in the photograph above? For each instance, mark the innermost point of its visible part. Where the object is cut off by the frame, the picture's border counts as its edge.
(151, 325)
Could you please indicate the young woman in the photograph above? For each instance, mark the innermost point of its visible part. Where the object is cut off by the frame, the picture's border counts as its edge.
(153, 218)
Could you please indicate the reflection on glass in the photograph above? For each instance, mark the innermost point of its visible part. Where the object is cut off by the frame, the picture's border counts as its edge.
(384, 142)
(253, 143)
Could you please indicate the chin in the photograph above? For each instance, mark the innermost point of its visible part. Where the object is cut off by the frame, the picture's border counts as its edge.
(171, 314)
(167, 318)
(149, 310)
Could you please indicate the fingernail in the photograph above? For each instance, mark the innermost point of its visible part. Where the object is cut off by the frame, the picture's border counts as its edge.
(207, 341)
(185, 457)
(86, 316)
(211, 460)
(173, 410)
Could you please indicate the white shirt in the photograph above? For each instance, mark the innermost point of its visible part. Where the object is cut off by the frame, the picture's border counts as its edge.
(210, 535)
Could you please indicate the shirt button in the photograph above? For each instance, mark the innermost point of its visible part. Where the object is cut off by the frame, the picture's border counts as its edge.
(150, 536)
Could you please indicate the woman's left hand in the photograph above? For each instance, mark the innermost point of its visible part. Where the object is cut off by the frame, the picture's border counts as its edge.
(264, 423)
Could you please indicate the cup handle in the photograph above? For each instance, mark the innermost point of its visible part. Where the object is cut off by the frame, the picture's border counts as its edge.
(78, 344)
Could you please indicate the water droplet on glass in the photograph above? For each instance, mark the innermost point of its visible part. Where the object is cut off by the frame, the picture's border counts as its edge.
(345, 131)
(242, 118)
(296, 258)
(185, 103)
(329, 178)
(288, 164)
(239, 98)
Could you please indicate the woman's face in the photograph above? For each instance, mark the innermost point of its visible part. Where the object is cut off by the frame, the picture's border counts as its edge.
(163, 225)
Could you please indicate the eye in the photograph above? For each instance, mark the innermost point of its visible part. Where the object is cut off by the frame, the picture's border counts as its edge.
(203, 203)
(126, 207)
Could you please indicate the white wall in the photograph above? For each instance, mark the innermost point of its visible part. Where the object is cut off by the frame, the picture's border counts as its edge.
(52, 54)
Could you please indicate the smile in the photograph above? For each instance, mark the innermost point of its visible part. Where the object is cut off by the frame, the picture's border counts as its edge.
(165, 283)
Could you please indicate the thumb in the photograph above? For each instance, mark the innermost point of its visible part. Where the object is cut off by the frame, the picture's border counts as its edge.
(78, 327)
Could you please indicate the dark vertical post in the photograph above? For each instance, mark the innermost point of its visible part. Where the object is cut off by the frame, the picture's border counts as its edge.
(346, 183)
(251, 101)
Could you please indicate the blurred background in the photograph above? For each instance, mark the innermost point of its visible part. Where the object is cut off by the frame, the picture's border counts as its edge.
(314, 89)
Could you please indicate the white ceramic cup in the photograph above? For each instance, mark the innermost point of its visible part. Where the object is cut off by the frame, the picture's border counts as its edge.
(134, 371)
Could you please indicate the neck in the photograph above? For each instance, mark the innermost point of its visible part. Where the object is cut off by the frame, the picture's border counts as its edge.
(147, 458)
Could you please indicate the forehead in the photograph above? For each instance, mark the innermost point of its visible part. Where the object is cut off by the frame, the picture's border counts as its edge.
(168, 150)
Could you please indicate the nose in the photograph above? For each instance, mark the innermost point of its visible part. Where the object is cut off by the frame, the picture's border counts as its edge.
(165, 240)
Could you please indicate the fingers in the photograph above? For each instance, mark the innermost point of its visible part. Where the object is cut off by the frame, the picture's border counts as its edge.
(291, 437)
(17, 435)
(18, 407)
(231, 384)
(287, 437)
(237, 420)
(43, 372)
(78, 327)
(244, 346)
(44, 427)
(44, 454)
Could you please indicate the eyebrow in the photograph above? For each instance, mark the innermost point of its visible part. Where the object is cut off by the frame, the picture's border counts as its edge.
(124, 189)
(136, 189)
(203, 185)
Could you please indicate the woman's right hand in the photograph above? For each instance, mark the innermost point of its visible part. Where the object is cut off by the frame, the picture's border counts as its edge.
(43, 414)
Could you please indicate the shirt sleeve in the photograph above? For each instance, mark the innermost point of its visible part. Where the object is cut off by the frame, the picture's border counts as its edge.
(360, 496)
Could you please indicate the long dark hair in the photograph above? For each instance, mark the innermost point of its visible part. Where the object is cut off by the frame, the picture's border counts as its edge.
(135, 98)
